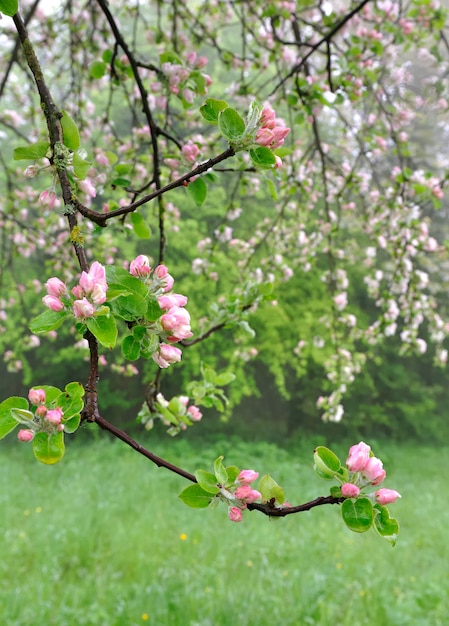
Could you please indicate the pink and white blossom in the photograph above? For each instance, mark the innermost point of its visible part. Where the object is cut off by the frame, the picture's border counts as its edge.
(247, 477)
(386, 496)
(235, 514)
(358, 457)
(83, 308)
(140, 266)
(166, 355)
(349, 490)
(25, 434)
(36, 396)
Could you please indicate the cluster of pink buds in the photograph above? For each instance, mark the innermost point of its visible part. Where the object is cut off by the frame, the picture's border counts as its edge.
(86, 297)
(174, 323)
(366, 470)
(190, 151)
(45, 419)
(48, 198)
(272, 131)
(244, 493)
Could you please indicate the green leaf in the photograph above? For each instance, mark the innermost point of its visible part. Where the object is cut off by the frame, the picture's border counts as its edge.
(23, 416)
(220, 471)
(130, 306)
(358, 515)
(139, 332)
(48, 449)
(224, 379)
(272, 188)
(196, 497)
(120, 182)
(153, 311)
(123, 168)
(262, 157)
(232, 471)
(269, 489)
(211, 109)
(70, 132)
(120, 281)
(231, 125)
(327, 464)
(48, 320)
(247, 328)
(170, 57)
(104, 328)
(7, 421)
(34, 151)
(140, 226)
(9, 7)
(131, 348)
(207, 481)
(198, 191)
(112, 157)
(97, 69)
(72, 424)
(386, 526)
(71, 400)
(80, 166)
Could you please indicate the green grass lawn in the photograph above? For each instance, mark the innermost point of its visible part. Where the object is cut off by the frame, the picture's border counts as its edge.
(102, 539)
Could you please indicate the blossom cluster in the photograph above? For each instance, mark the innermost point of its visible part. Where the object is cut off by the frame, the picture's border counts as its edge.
(177, 414)
(366, 470)
(272, 131)
(174, 324)
(44, 419)
(241, 494)
(85, 298)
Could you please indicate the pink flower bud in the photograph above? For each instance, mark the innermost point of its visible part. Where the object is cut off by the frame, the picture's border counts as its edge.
(194, 413)
(53, 303)
(167, 355)
(268, 117)
(36, 396)
(358, 457)
(247, 494)
(174, 299)
(88, 188)
(98, 294)
(41, 411)
(56, 287)
(177, 322)
(54, 416)
(47, 199)
(247, 476)
(95, 276)
(386, 496)
(201, 62)
(25, 435)
(348, 490)
(83, 308)
(30, 171)
(264, 137)
(140, 267)
(78, 292)
(235, 514)
(161, 272)
(279, 135)
(373, 471)
(190, 151)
